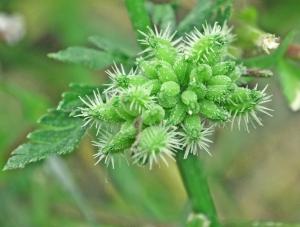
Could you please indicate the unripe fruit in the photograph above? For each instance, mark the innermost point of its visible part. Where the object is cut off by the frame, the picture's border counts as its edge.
(193, 127)
(201, 73)
(136, 80)
(159, 108)
(167, 101)
(218, 93)
(223, 68)
(220, 80)
(199, 88)
(166, 52)
(154, 115)
(149, 68)
(155, 84)
(189, 98)
(177, 114)
(105, 113)
(122, 140)
(120, 109)
(170, 88)
(136, 99)
(182, 69)
(165, 72)
(169, 94)
(213, 112)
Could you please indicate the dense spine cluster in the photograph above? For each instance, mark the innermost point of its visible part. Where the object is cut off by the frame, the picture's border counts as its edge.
(179, 90)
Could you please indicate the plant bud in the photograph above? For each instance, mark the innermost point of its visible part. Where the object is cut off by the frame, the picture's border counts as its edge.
(167, 101)
(189, 98)
(170, 88)
(165, 72)
(201, 73)
(156, 142)
(105, 113)
(149, 68)
(165, 51)
(154, 115)
(177, 114)
(213, 112)
(224, 68)
(220, 80)
(155, 84)
(199, 88)
(122, 140)
(192, 125)
(120, 109)
(217, 93)
(136, 99)
(182, 70)
(136, 80)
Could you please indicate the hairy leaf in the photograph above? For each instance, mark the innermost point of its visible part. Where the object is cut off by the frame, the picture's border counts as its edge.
(57, 137)
(71, 99)
(58, 132)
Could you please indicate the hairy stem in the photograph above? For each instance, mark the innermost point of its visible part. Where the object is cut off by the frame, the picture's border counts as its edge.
(195, 182)
(138, 15)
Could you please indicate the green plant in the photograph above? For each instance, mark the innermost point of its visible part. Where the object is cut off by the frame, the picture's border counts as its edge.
(165, 106)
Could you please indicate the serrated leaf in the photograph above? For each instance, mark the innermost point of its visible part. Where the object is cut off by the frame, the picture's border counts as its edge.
(48, 141)
(58, 132)
(71, 98)
(93, 59)
(289, 74)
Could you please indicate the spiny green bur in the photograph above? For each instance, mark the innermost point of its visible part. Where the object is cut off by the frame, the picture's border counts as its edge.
(166, 104)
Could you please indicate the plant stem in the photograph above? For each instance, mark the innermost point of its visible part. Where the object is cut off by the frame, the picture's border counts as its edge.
(191, 169)
(195, 182)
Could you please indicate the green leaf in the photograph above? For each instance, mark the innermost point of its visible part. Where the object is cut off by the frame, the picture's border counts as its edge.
(58, 132)
(54, 138)
(198, 16)
(289, 74)
(70, 99)
(93, 59)
(224, 10)
(163, 15)
(206, 11)
(138, 16)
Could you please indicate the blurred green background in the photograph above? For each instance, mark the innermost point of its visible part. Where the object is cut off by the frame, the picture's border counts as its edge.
(253, 176)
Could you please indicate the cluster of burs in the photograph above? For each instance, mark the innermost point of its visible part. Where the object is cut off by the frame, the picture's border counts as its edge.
(180, 90)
